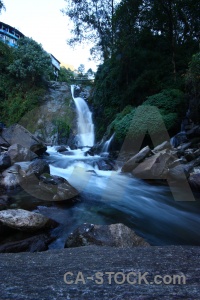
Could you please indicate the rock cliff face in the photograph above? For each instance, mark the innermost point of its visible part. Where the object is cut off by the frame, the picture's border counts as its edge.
(53, 120)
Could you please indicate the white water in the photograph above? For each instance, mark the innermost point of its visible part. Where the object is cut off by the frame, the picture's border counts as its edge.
(107, 144)
(85, 126)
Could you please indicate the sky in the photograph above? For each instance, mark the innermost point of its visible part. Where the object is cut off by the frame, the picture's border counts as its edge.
(43, 21)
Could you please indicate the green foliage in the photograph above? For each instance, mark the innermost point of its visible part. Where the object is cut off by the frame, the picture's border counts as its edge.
(65, 75)
(30, 61)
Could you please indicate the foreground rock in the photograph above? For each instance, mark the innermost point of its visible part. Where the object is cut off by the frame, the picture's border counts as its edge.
(115, 235)
(35, 243)
(31, 276)
(17, 134)
(23, 220)
(5, 161)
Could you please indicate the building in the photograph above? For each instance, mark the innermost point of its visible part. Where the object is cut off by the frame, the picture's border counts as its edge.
(10, 36)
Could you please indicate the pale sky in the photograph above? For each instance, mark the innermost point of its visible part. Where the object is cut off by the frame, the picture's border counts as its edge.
(43, 21)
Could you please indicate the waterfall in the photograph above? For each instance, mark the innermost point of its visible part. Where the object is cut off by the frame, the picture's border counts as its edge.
(85, 126)
(107, 144)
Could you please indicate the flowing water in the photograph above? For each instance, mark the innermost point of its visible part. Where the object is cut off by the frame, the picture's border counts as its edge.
(107, 197)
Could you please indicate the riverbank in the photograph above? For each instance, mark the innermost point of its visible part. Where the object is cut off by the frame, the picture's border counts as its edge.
(31, 276)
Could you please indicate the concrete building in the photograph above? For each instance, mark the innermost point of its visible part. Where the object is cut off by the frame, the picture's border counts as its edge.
(10, 36)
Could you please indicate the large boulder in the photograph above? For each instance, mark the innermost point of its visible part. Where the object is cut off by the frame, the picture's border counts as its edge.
(19, 153)
(5, 161)
(133, 162)
(194, 181)
(154, 167)
(58, 188)
(3, 143)
(114, 235)
(17, 134)
(163, 146)
(23, 220)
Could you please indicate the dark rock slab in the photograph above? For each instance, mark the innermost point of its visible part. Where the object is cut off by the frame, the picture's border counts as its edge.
(132, 163)
(31, 276)
(19, 153)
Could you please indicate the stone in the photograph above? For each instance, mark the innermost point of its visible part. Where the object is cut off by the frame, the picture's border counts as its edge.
(11, 177)
(4, 202)
(19, 153)
(194, 181)
(5, 161)
(17, 134)
(61, 149)
(163, 146)
(178, 173)
(133, 162)
(105, 165)
(35, 243)
(23, 220)
(3, 143)
(37, 168)
(154, 167)
(114, 235)
(58, 187)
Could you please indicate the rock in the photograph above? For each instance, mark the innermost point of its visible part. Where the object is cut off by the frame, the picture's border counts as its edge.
(178, 173)
(37, 168)
(194, 181)
(19, 153)
(163, 146)
(61, 149)
(114, 235)
(179, 139)
(194, 132)
(17, 134)
(3, 143)
(139, 157)
(24, 220)
(154, 167)
(105, 165)
(5, 161)
(59, 187)
(32, 244)
(11, 177)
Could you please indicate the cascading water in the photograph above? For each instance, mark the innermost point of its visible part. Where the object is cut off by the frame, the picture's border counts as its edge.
(85, 126)
(107, 144)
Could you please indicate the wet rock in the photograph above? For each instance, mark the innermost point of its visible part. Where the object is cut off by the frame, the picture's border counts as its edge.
(153, 167)
(36, 243)
(61, 149)
(37, 168)
(105, 165)
(5, 161)
(11, 177)
(163, 146)
(194, 181)
(194, 132)
(178, 173)
(19, 153)
(4, 202)
(23, 220)
(114, 235)
(59, 188)
(139, 157)
(17, 134)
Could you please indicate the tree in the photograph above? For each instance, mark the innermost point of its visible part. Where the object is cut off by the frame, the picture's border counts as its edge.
(92, 20)
(30, 62)
(81, 70)
(2, 6)
(65, 75)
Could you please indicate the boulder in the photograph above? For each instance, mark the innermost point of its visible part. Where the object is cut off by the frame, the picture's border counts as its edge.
(154, 167)
(163, 146)
(133, 162)
(19, 153)
(5, 161)
(23, 220)
(17, 134)
(114, 235)
(35, 243)
(37, 168)
(105, 165)
(4, 202)
(178, 173)
(59, 188)
(194, 132)
(11, 177)
(61, 149)
(194, 181)
(3, 143)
